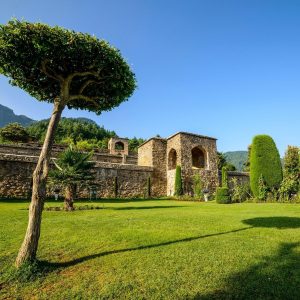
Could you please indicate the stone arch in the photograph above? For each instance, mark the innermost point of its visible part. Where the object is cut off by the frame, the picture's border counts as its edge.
(199, 158)
(119, 146)
(172, 159)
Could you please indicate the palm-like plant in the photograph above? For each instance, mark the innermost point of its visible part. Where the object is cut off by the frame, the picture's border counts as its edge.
(71, 167)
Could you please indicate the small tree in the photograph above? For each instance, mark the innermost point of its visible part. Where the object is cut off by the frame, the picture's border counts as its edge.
(178, 182)
(224, 177)
(265, 162)
(291, 173)
(14, 132)
(71, 168)
(68, 69)
(221, 160)
(197, 184)
(262, 188)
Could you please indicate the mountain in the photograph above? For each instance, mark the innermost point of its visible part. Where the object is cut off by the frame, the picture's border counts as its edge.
(7, 115)
(237, 158)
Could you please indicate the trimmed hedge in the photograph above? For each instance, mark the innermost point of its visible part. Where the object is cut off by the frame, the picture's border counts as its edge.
(222, 195)
(178, 182)
(224, 177)
(265, 162)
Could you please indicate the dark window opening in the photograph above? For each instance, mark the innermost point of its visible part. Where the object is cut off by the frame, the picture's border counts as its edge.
(198, 158)
(119, 146)
(172, 159)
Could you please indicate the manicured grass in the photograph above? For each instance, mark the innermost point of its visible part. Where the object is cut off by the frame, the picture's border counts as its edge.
(158, 250)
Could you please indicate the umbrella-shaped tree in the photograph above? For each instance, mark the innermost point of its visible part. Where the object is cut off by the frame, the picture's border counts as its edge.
(67, 69)
(71, 168)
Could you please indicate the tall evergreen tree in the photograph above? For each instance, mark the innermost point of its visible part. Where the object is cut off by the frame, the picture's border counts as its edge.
(264, 162)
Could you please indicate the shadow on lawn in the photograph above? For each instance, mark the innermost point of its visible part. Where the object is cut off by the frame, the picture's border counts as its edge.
(274, 222)
(274, 277)
(52, 266)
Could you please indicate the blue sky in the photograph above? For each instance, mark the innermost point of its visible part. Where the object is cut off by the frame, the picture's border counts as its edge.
(227, 69)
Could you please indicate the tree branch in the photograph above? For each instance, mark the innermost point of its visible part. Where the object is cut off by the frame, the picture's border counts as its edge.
(83, 74)
(44, 70)
(87, 83)
(85, 98)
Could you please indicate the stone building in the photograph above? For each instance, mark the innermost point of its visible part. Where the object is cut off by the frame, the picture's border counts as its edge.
(157, 158)
(194, 153)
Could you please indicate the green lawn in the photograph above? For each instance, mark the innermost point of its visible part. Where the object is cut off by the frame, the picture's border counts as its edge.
(158, 250)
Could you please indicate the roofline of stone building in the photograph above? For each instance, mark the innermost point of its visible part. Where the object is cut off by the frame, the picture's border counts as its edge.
(153, 138)
(192, 134)
(119, 138)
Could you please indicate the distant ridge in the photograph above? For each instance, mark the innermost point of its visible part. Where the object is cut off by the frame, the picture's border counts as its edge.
(7, 116)
(237, 158)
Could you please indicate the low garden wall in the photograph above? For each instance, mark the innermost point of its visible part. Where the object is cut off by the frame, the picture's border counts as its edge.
(242, 177)
(16, 177)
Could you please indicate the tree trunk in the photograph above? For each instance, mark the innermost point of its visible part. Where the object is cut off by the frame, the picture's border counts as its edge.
(69, 197)
(29, 246)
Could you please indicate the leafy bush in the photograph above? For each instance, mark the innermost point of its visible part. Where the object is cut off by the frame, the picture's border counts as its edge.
(178, 182)
(291, 174)
(224, 177)
(262, 189)
(222, 195)
(197, 186)
(14, 132)
(240, 191)
(264, 162)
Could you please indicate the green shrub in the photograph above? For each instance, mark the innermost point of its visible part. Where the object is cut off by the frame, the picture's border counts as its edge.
(240, 191)
(224, 177)
(265, 162)
(222, 195)
(197, 186)
(262, 188)
(178, 182)
(290, 184)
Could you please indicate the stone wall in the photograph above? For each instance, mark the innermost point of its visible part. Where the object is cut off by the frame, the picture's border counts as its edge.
(16, 173)
(242, 177)
(157, 158)
(153, 154)
(32, 149)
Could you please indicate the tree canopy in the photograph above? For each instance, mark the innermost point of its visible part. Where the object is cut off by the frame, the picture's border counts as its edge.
(39, 58)
(264, 163)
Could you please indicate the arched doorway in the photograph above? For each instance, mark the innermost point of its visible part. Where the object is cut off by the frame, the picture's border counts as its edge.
(119, 146)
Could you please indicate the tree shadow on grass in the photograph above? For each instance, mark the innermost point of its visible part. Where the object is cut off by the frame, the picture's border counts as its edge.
(274, 222)
(52, 266)
(274, 277)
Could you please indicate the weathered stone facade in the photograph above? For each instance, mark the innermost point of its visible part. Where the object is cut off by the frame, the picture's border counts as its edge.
(157, 158)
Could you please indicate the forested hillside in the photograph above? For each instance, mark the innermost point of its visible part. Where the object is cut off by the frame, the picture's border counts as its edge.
(237, 158)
